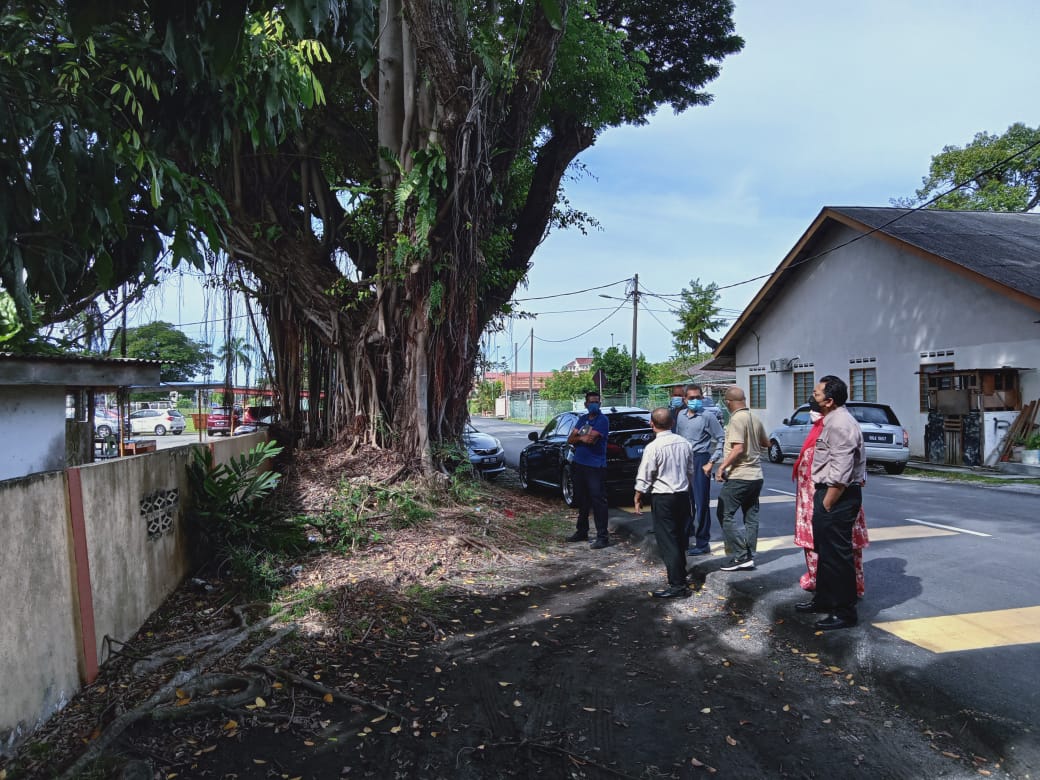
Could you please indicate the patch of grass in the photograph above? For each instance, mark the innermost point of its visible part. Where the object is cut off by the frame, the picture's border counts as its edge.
(259, 572)
(542, 530)
(957, 476)
(314, 597)
(429, 601)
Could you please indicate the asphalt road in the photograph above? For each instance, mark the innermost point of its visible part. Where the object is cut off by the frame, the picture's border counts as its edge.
(950, 624)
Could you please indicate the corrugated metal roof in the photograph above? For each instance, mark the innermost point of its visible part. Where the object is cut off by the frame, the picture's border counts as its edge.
(81, 359)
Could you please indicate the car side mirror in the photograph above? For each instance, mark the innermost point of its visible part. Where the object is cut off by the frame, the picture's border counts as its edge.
(533, 436)
(786, 421)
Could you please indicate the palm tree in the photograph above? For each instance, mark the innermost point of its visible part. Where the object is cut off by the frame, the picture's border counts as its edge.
(236, 351)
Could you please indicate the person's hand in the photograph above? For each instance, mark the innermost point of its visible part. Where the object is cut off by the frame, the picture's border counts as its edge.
(718, 476)
(707, 469)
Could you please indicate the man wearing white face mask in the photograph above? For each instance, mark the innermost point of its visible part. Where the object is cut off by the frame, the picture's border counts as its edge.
(702, 430)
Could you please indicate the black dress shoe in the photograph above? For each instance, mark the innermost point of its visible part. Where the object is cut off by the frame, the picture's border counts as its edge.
(833, 622)
(807, 607)
(672, 592)
(577, 536)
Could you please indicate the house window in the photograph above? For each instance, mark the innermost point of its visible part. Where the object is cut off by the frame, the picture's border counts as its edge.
(758, 391)
(803, 387)
(933, 382)
(863, 384)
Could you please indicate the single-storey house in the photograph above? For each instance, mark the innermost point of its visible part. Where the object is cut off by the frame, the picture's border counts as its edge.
(47, 407)
(907, 306)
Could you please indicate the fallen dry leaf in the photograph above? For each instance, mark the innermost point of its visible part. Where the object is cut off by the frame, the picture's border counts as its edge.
(589, 709)
(706, 710)
(260, 702)
(504, 684)
(730, 741)
(231, 724)
(327, 698)
(948, 754)
(787, 708)
(380, 719)
(277, 686)
(517, 703)
(259, 761)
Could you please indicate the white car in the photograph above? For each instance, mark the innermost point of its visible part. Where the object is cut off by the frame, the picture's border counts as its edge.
(157, 421)
(885, 441)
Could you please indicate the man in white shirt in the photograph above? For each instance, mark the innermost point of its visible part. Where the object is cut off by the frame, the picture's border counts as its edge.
(667, 469)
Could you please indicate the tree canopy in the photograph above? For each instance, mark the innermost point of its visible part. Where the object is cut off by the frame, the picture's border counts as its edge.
(377, 176)
(566, 385)
(616, 363)
(183, 358)
(698, 315)
(989, 184)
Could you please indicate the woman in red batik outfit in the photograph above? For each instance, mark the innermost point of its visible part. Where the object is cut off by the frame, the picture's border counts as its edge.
(803, 510)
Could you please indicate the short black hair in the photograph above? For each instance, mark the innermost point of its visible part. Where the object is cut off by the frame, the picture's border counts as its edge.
(698, 388)
(835, 389)
(590, 393)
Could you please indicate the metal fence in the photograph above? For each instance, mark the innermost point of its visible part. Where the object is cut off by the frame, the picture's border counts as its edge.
(543, 410)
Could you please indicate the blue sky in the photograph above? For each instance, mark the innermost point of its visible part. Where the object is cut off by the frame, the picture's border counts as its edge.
(829, 104)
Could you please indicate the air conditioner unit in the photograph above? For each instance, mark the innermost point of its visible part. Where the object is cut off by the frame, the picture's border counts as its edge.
(781, 364)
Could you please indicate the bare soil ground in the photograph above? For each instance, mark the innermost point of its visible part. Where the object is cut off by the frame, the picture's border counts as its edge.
(478, 645)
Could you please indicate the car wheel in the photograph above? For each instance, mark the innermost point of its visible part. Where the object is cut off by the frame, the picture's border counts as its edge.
(211, 433)
(567, 485)
(160, 430)
(776, 455)
(895, 468)
(525, 479)
(103, 431)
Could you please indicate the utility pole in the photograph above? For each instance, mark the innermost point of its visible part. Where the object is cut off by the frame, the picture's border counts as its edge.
(635, 320)
(530, 380)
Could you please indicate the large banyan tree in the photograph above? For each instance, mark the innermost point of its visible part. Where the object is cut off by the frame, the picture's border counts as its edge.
(378, 175)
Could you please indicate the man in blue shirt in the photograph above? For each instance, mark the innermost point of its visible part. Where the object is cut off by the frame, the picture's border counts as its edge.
(589, 471)
(700, 427)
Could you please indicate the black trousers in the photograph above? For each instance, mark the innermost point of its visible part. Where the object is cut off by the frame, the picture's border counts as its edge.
(590, 492)
(670, 512)
(832, 540)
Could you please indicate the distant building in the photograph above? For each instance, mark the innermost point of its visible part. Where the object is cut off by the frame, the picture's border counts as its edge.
(47, 407)
(519, 382)
(578, 365)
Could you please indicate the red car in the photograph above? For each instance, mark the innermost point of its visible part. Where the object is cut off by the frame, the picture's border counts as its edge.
(222, 420)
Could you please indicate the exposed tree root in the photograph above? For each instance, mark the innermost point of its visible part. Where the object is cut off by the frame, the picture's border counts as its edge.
(310, 685)
(217, 645)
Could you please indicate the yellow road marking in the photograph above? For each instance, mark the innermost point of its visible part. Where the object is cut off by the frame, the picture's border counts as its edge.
(969, 631)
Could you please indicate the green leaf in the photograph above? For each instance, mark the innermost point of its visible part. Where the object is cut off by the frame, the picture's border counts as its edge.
(553, 13)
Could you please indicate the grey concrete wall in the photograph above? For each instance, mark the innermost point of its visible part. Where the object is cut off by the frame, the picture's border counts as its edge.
(38, 643)
(33, 423)
(131, 572)
(233, 446)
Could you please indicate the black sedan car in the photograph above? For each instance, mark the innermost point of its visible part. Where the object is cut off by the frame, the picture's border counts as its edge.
(546, 461)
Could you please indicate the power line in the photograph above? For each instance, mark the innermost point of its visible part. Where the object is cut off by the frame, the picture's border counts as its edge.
(572, 338)
(908, 212)
(576, 292)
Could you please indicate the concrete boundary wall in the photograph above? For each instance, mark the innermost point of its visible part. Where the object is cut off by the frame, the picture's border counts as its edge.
(88, 553)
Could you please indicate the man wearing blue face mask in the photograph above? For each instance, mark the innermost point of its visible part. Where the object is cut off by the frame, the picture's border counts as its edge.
(701, 428)
(677, 402)
(589, 470)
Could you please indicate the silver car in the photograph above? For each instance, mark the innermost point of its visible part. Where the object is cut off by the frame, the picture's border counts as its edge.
(886, 441)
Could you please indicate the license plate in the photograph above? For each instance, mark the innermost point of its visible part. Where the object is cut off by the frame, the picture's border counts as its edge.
(488, 460)
(878, 438)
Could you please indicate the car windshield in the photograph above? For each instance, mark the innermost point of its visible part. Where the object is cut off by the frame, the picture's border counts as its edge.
(877, 415)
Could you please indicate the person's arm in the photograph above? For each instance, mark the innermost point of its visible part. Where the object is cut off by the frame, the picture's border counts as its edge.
(734, 455)
(841, 444)
(645, 476)
(719, 438)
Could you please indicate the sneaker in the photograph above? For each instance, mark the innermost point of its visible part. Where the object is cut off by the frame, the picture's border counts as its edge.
(744, 563)
(699, 551)
(599, 544)
(577, 536)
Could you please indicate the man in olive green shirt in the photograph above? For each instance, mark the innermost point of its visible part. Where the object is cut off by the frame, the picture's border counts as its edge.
(742, 478)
